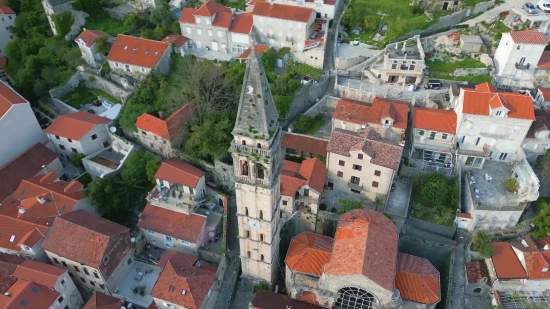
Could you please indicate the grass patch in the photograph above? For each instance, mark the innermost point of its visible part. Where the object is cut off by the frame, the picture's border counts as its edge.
(104, 94)
(429, 216)
(308, 125)
(239, 5)
(105, 23)
(82, 95)
(85, 179)
(444, 70)
(496, 29)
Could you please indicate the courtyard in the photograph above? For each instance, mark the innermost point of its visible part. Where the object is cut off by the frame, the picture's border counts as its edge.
(138, 283)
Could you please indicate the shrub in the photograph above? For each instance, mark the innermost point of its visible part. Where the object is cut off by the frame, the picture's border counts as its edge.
(76, 160)
(348, 205)
(481, 244)
(323, 206)
(512, 184)
(333, 210)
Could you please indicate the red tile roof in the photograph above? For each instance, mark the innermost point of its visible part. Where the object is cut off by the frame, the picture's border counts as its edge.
(309, 297)
(365, 244)
(464, 215)
(305, 143)
(506, 263)
(187, 15)
(137, 51)
(41, 273)
(283, 11)
(528, 37)
(477, 102)
(31, 238)
(85, 238)
(315, 172)
(5, 9)
(369, 142)
(177, 39)
(3, 62)
(259, 49)
(170, 128)
(544, 61)
(182, 283)
(180, 172)
(75, 125)
(223, 17)
(417, 280)
(209, 8)
(434, 119)
(542, 123)
(363, 113)
(8, 264)
(270, 300)
(486, 87)
(8, 98)
(26, 165)
(476, 271)
(308, 253)
(89, 36)
(536, 261)
(14, 227)
(103, 301)
(242, 23)
(311, 172)
(35, 295)
(172, 223)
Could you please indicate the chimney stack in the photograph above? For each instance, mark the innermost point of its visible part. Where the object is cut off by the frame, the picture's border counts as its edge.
(161, 115)
(250, 305)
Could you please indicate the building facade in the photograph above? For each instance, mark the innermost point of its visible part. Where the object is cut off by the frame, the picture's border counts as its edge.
(302, 185)
(87, 46)
(7, 20)
(537, 141)
(323, 8)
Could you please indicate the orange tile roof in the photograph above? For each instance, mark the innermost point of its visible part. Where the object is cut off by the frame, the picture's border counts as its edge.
(36, 296)
(14, 227)
(41, 273)
(170, 128)
(259, 49)
(85, 238)
(315, 172)
(182, 283)
(180, 172)
(528, 37)
(89, 36)
(486, 87)
(187, 15)
(365, 244)
(223, 17)
(476, 271)
(477, 102)
(177, 39)
(434, 119)
(5, 9)
(103, 301)
(535, 260)
(464, 215)
(283, 11)
(311, 172)
(544, 61)
(305, 143)
(209, 8)
(363, 113)
(270, 300)
(31, 238)
(171, 223)
(506, 263)
(3, 62)
(417, 280)
(75, 125)
(8, 98)
(309, 252)
(137, 51)
(242, 23)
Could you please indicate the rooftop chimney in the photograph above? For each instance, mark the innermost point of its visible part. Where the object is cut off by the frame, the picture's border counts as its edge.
(250, 305)
(161, 115)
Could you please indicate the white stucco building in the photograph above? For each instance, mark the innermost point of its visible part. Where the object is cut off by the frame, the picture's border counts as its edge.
(86, 44)
(7, 20)
(537, 141)
(323, 8)
(302, 185)
(517, 56)
(17, 118)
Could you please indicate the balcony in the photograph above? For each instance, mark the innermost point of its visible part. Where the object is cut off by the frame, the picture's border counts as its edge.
(165, 197)
(522, 66)
(249, 149)
(252, 181)
(306, 199)
(355, 186)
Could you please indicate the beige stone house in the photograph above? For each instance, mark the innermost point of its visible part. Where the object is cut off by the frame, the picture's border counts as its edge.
(302, 185)
(387, 117)
(362, 163)
(163, 136)
(87, 46)
(319, 269)
(537, 141)
(99, 267)
(137, 57)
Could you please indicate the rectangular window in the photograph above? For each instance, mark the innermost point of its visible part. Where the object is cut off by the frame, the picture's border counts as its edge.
(168, 238)
(421, 132)
(199, 31)
(188, 30)
(375, 184)
(94, 136)
(76, 268)
(185, 242)
(105, 144)
(432, 135)
(82, 279)
(499, 113)
(220, 34)
(57, 137)
(143, 133)
(340, 174)
(341, 163)
(70, 140)
(56, 261)
(86, 271)
(92, 283)
(444, 136)
(357, 167)
(61, 147)
(209, 32)
(377, 173)
(60, 299)
(477, 141)
(360, 156)
(64, 264)
(74, 150)
(285, 203)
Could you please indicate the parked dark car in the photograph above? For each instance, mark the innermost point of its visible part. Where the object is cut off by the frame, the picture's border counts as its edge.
(433, 84)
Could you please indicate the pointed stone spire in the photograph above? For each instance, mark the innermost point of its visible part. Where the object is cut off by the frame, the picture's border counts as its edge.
(257, 116)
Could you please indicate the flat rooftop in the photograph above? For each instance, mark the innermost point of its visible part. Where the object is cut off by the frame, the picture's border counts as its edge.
(493, 192)
(108, 158)
(398, 200)
(148, 280)
(396, 51)
(212, 218)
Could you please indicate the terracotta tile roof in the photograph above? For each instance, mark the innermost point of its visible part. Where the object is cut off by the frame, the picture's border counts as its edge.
(477, 102)
(363, 113)
(283, 11)
(528, 37)
(103, 301)
(242, 23)
(3, 62)
(175, 224)
(170, 128)
(536, 262)
(315, 172)
(309, 297)
(222, 19)
(222, 16)
(476, 271)
(545, 92)
(177, 39)
(182, 283)
(542, 123)
(41, 273)
(308, 253)
(506, 263)
(311, 172)
(365, 243)
(259, 49)
(166, 256)
(6, 281)
(369, 142)
(209, 8)
(187, 15)
(434, 119)
(31, 238)
(14, 227)
(26, 165)
(89, 36)
(137, 51)
(35, 296)
(8, 97)
(544, 61)
(9, 262)
(180, 172)
(417, 280)
(464, 215)
(486, 87)
(75, 125)
(5, 9)
(270, 300)
(305, 143)
(86, 238)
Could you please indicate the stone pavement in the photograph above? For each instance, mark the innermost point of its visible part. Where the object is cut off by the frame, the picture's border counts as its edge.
(456, 293)
(328, 61)
(245, 294)
(497, 9)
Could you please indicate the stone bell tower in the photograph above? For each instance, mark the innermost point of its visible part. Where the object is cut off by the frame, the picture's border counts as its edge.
(257, 161)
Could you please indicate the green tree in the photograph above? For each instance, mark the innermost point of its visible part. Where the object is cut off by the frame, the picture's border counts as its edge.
(268, 60)
(542, 224)
(76, 160)
(212, 138)
(102, 192)
(161, 17)
(151, 168)
(347, 205)
(480, 243)
(175, 28)
(102, 44)
(371, 22)
(63, 23)
(419, 210)
(158, 33)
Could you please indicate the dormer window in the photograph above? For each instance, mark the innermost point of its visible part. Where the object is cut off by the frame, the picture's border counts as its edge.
(499, 113)
(197, 20)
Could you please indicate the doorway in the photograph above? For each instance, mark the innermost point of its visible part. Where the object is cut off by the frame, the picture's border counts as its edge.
(215, 46)
(445, 6)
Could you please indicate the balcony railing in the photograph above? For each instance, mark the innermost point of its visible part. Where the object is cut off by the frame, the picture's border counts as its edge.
(355, 186)
(250, 149)
(173, 199)
(250, 180)
(307, 199)
(523, 66)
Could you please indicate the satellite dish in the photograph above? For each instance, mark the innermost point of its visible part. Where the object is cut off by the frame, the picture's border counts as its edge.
(211, 234)
(112, 129)
(133, 240)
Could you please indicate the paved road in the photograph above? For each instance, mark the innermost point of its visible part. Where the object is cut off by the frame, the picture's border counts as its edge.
(504, 7)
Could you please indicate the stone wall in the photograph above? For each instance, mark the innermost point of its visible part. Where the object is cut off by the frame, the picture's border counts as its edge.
(209, 256)
(353, 94)
(435, 252)
(62, 107)
(305, 98)
(443, 231)
(221, 173)
(476, 71)
(346, 63)
(324, 107)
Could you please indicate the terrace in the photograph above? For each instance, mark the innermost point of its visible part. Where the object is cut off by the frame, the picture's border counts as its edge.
(108, 160)
(165, 197)
(524, 299)
(136, 287)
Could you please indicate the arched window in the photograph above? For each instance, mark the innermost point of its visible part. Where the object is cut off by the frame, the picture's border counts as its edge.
(248, 254)
(262, 257)
(261, 237)
(259, 145)
(260, 174)
(238, 48)
(247, 234)
(354, 298)
(244, 142)
(261, 214)
(244, 168)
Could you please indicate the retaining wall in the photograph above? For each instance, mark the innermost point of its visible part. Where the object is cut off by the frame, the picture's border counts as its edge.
(304, 98)
(441, 230)
(353, 94)
(346, 63)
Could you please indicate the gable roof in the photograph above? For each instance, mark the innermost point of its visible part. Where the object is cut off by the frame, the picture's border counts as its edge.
(223, 17)
(176, 224)
(371, 239)
(137, 51)
(177, 39)
(182, 283)
(479, 101)
(209, 8)
(417, 279)
(363, 113)
(283, 11)
(85, 238)
(544, 61)
(434, 119)
(270, 300)
(485, 87)
(170, 128)
(28, 295)
(259, 49)
(103, 301)
(89, 36)
(242, 23)
(8, 98)
(528, 37)
(305, 143)
(41, 273)
(368, 141)
(13, 230)
(180, 172)
(310, 172)
(506, 263)
(309, 252)
(5, 9)
(75, 125)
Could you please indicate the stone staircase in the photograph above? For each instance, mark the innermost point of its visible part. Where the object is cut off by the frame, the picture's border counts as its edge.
(232, 229)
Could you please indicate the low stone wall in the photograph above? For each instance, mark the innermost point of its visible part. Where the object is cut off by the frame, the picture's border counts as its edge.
(476, 71)
(209, 256)
(346, 63)
(443, 231)
(353, 94)
(62, 107)
(324, 107)
(433, 251)
(306, 97)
